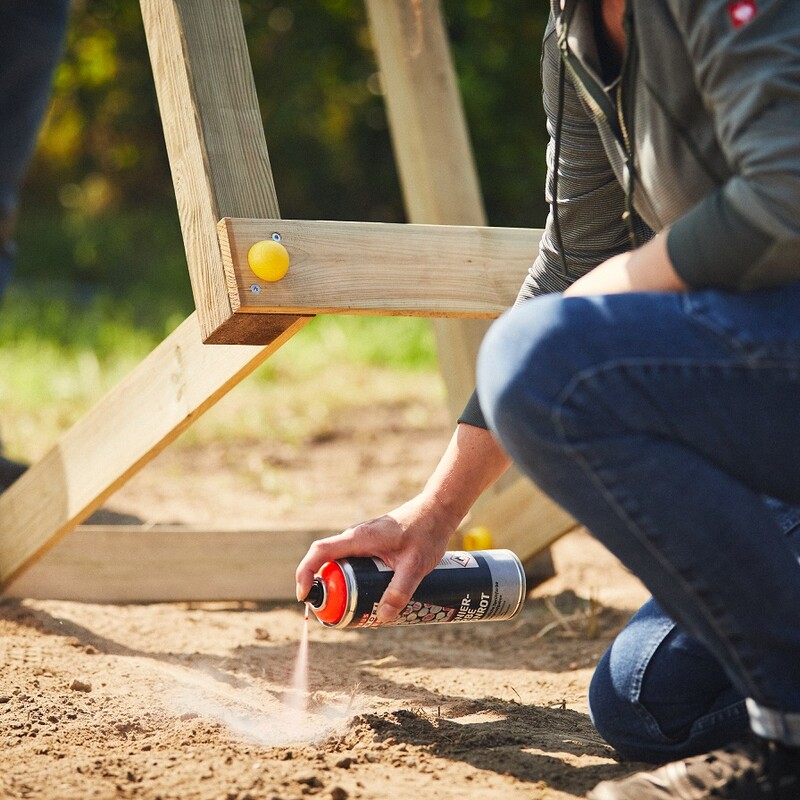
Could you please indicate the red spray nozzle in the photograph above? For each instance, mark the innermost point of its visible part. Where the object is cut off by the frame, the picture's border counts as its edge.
(328, 594)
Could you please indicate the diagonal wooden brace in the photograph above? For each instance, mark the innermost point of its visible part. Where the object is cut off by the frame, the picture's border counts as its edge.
(137, 419)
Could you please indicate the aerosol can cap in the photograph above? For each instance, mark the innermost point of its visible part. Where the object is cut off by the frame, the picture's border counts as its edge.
(316, 595)
(328, 595)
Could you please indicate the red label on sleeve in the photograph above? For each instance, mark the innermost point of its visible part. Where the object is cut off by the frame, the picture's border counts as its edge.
(741, 12)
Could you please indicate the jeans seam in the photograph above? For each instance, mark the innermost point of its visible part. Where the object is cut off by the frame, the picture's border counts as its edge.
(698, 315)
(569, 448)
(636, 696)
(709, 720)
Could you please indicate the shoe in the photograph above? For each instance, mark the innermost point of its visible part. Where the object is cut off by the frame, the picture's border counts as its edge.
(752, 770)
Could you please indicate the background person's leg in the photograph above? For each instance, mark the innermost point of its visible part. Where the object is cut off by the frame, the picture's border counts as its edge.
(31, 40)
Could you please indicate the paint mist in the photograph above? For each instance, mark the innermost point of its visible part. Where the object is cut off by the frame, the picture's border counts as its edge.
(298, 694)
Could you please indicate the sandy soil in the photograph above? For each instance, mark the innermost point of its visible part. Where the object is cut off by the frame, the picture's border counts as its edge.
(194, 701)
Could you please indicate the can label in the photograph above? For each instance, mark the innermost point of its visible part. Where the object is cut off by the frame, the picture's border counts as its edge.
(464, 587)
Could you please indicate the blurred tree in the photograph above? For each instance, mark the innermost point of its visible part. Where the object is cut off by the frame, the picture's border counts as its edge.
(102, 151)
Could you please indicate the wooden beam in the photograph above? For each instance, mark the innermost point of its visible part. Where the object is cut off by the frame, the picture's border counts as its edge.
(215, 142)
(433, 153)
(522, 519)
(166, 563)
(440, 185)
(160, 398)
(378, 268)
(169, 563)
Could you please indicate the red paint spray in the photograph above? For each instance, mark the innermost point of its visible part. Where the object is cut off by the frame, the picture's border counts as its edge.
(477, 586)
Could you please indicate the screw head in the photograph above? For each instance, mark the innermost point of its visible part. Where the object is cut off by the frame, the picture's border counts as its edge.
(255, 289)
(276, 237)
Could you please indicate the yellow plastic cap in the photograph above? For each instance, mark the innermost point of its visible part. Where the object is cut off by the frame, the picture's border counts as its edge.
(478, 538)
(269, 260)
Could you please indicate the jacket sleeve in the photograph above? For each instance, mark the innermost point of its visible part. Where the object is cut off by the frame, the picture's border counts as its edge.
(746, 62)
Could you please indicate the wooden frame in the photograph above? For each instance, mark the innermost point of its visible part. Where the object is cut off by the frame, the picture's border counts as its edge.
(222, 174)
(168, 563)
(380, 268)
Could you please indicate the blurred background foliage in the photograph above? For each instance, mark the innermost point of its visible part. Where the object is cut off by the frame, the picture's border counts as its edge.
(101, 275)
(98, 205)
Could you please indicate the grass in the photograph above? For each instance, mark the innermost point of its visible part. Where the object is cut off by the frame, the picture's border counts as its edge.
(61, 350)
(123, 287)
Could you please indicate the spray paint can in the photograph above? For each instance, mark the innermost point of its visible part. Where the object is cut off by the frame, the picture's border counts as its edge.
(476, 586)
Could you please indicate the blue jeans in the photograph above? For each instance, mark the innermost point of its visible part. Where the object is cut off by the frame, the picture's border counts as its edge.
(31, 39)
(661, 421)
(658, 694)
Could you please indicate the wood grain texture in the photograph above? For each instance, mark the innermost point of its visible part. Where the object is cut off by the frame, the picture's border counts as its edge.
(215, 142)
(440, 185)
(137, 419)
(382, 268)
(166, 563)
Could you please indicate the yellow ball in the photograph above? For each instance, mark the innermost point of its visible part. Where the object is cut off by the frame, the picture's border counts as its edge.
(478, 538)
(268, 259)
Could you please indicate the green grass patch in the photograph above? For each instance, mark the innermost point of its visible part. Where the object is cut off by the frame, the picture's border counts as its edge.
(403, 343)
(60, 353)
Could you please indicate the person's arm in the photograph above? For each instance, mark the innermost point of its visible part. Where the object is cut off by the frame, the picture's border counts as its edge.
(646, 269)
(412, 538)
(745, 234)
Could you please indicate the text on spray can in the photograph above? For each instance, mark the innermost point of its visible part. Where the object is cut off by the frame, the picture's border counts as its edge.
(478, 586)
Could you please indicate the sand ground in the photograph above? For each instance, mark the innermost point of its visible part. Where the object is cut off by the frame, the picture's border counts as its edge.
(192, 701)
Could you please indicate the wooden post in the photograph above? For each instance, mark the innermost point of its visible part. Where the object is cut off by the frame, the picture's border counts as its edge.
(440, 185)
(216, 147)
(432, 150)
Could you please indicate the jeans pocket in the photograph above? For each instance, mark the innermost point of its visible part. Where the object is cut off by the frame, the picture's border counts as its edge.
(758, 325)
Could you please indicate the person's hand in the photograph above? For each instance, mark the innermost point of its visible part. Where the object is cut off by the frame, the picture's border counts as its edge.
(411, 540)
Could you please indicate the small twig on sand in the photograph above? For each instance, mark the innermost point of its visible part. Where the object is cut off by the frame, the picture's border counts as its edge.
(589, 615)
